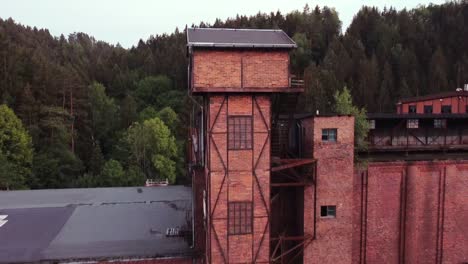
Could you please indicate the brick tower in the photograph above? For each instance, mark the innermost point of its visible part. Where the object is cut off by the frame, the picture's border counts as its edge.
(234, 72)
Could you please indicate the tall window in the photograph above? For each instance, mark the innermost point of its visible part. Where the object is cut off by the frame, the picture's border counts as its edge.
(372, 124)
(440, 123)
(329, 135)
(446, 109)
(240, 218)
(412, 123)
(240, 132)
(412, 109)
(428, 109)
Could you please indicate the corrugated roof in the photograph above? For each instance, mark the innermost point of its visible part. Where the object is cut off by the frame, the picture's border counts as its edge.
(98, 223)
(238, 38)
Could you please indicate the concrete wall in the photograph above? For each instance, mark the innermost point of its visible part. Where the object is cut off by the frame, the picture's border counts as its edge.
(238, 175)
(235, 71)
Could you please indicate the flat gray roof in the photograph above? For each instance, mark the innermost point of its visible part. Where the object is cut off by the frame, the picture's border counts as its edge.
(238, 38)
(94, 224)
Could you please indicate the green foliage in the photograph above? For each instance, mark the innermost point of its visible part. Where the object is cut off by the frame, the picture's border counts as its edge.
(76, 94)
(158, 91)
(344, 106)
(128, 111)
(16, 151)
(170, 118)
(147, 113)
(104, 111)
(96, 161)
(10, 178)
(154, 148)
(112, 174)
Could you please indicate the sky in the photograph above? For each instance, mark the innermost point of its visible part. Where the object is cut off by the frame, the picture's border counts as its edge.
(127, 21)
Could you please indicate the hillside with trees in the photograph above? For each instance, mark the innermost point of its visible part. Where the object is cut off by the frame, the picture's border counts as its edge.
(78, 112)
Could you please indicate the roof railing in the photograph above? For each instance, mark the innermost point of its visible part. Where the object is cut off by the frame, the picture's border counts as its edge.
(295, 82)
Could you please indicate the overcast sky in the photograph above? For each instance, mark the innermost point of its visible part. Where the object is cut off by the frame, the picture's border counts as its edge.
(127, 21)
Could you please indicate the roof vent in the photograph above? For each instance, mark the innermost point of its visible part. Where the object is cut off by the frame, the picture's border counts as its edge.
(465, 87)
(2, 220)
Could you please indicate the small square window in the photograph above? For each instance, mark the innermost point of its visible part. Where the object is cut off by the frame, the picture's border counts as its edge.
(240, 218)
(412, 123)
(428, 109)
(446, 109)
(372, 124)
(440, 123)
(329, 134)
(412, 109)
(240, 132)
(328, 211)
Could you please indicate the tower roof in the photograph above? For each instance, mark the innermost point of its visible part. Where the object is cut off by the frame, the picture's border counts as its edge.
(238, 38)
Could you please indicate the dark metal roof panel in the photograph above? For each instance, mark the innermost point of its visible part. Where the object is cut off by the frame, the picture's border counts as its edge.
(238, 38)
(93, 196)
(29, 231)
(96, 223)
(122, 231)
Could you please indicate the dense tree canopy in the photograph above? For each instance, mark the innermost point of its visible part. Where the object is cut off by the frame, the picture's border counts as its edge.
(82, 101)
(15, 151)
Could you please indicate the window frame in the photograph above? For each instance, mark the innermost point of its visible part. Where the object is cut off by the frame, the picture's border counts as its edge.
(240, 218)
(240, 138)
(428, 107)
(413, 106)
(412, 123)
(327, 134)
(372, 123)
(330, 211)
(446, 107)
(440, 123)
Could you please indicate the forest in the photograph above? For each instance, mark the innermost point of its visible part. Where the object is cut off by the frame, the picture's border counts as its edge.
(79, 112)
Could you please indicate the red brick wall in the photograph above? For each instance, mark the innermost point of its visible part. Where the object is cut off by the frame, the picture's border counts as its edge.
(238, 175)
(458, 105)
(334, 186)
(239, 70)
(412, 212)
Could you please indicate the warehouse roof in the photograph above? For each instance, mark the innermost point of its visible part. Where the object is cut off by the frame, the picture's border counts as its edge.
(90, 224)
(238, 38)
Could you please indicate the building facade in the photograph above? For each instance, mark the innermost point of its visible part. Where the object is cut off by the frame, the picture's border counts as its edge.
(274, 187)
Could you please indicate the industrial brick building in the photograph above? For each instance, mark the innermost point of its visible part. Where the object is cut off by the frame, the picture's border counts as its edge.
(272, 186)
(269, 185)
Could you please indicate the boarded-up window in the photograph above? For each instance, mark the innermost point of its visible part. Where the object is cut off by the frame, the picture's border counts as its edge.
(240, 218)
(240, 132)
